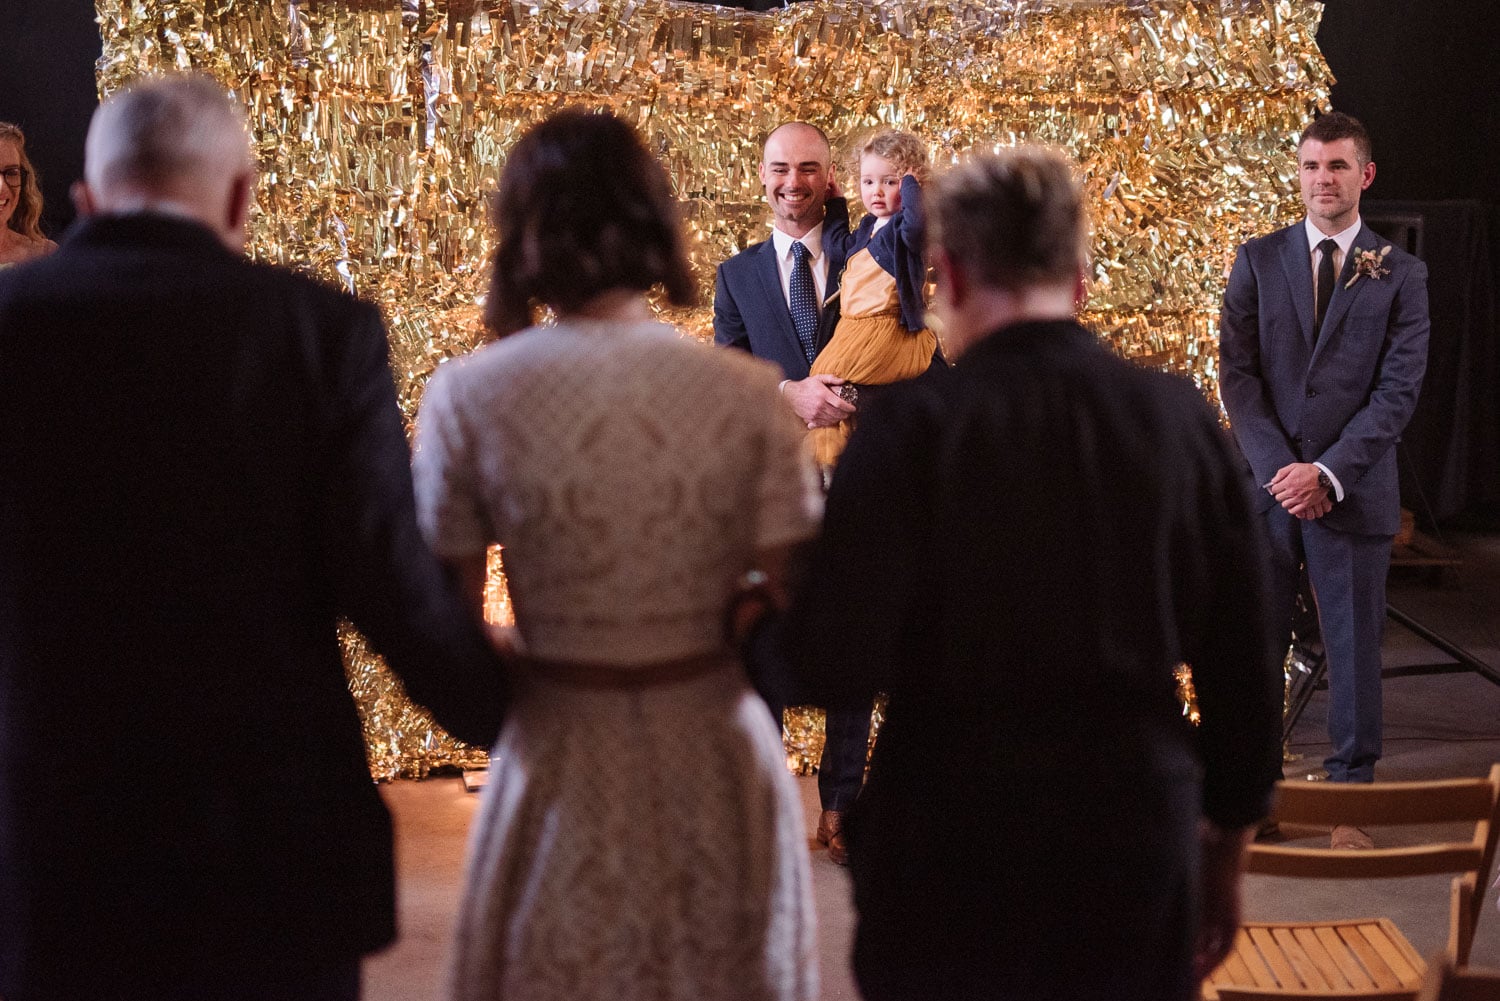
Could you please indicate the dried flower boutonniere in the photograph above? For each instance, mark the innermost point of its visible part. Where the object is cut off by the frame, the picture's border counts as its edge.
(1369, 264)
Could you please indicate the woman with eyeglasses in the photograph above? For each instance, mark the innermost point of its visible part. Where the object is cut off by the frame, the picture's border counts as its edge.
(20, 202)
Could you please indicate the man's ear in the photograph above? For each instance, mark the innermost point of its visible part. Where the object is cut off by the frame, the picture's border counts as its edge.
(83, 199)
(1367, 176)
(237, 209)
(1081, 286)
(950, 277)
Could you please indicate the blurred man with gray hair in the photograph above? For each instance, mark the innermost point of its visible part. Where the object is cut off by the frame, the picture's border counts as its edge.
(1019, 551)
(205, 468)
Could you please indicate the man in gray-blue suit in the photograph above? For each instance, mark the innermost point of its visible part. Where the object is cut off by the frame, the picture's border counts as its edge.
(1323, 346)
(768, 300)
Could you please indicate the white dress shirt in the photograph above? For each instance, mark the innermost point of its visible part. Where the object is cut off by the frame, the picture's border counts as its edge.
(1345, 240)
(816, 260)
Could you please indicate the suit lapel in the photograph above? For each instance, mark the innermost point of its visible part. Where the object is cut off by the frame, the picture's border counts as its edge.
(1296, 261)
(770, 280)
(1343, 292)
(833, 302)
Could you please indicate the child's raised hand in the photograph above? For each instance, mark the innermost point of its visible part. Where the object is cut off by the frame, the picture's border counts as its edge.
(834, 191)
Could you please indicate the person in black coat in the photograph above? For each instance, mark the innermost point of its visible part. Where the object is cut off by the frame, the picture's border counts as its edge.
(1019, 551)
(205, 468)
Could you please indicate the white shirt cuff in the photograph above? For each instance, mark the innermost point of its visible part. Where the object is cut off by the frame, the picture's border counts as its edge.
(1338, 488)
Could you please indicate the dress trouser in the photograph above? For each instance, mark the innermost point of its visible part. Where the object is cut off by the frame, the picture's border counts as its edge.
(841, 771)
(1347, 572)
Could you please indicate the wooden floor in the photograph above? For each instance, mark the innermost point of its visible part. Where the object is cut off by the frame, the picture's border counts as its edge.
(1435, 726)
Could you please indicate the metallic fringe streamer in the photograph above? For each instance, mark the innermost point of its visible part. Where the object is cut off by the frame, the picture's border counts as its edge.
(382, 125)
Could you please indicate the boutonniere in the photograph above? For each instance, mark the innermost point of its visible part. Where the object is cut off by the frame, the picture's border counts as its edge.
(1369, 264)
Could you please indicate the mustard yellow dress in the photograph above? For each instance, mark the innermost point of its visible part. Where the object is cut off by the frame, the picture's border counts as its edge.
(869, 346)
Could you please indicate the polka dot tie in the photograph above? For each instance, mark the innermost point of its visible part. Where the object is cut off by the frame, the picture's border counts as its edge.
(804, 301)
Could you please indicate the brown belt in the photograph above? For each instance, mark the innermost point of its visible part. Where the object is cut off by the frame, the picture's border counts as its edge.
(626, 676)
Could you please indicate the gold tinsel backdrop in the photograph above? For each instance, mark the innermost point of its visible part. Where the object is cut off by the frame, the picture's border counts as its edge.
(382, 125)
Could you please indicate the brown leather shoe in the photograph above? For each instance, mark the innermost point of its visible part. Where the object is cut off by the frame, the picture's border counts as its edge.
(830, 824)
(838, 849)
(1347, 838)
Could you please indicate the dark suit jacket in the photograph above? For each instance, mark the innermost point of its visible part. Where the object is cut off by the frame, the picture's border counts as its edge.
(1019, 550)
(1343, 402)
(750, 310)
(205, 468)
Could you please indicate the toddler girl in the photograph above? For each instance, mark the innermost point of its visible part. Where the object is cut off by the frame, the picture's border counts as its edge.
(881, 337)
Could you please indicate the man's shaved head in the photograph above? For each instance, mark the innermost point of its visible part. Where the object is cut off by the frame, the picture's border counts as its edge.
(795, 168)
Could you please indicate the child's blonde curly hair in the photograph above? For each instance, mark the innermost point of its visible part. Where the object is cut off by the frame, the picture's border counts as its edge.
(904, 150)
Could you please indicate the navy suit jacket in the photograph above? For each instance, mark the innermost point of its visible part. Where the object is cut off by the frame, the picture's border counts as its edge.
(1342, 401)
(750, 309)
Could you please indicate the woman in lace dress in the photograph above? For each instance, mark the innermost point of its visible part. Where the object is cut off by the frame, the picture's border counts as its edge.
(639, 836)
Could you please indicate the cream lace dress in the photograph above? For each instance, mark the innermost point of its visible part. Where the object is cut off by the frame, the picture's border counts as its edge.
(642, 844)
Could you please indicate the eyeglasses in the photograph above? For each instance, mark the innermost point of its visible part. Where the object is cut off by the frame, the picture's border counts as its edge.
(14, 176)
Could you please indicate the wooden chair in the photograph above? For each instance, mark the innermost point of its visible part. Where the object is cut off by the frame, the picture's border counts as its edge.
(1367, 958)
(1446, 982)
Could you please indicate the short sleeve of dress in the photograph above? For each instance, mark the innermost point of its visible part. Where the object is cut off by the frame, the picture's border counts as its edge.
(790, 499)
(449, 508)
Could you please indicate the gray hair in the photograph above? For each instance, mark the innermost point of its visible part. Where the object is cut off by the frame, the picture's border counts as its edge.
(1013, 219)
(166, 132)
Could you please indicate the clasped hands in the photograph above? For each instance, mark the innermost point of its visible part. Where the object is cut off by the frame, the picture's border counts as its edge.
(814, 401)
(1295, 487)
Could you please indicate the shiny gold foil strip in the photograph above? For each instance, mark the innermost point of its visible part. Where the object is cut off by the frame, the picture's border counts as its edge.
(382, 125)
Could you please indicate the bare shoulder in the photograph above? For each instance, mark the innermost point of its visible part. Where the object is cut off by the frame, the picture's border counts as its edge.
(21, 249)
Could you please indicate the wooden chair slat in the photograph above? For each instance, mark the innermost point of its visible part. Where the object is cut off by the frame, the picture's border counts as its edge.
(1234, 970)
(1329, 803)
(1354, 973)
(1249, 955)
(1251, 994)
(1309, 976)
(1397, 952)
(1381, 974)
(1270, 951)
(1379, 863)
(1330, 967)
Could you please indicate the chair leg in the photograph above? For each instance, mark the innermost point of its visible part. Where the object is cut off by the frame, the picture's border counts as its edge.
(1461, 918)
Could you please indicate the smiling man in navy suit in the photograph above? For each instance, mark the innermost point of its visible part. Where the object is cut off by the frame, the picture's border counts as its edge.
(768, 300)
(757, 292)
(1323, 347)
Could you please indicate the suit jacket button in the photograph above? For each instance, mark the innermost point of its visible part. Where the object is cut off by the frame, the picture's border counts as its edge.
(1311, 393)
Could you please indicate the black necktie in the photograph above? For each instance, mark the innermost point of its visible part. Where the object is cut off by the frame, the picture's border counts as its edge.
(1325, 284)
(804, 301)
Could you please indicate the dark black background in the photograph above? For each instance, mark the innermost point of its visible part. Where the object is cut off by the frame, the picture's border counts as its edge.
(1417, 72)
(47, 53)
